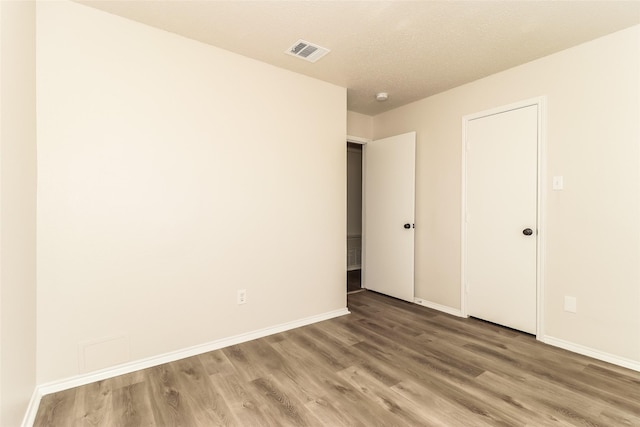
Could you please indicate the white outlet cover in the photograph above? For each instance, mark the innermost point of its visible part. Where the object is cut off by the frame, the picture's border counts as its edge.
(570, 304)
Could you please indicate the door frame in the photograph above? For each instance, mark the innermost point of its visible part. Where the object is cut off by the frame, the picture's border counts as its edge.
(363, 237)
(540, 102)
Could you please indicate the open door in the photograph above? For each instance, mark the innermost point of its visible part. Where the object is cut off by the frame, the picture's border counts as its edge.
(389, 209)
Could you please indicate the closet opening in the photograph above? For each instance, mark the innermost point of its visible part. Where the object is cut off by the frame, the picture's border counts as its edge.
(354, 217)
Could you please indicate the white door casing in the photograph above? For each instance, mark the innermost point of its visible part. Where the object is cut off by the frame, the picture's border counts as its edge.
(389, 204)
(501, 200)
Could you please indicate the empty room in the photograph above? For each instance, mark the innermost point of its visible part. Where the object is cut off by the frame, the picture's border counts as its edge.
(322, 213)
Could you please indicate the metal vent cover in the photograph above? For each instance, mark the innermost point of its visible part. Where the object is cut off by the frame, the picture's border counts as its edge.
(307, 51)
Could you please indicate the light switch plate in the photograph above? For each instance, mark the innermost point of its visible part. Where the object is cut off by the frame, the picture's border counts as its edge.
(558, 182)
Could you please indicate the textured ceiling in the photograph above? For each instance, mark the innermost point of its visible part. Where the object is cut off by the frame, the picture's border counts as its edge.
(409, 49)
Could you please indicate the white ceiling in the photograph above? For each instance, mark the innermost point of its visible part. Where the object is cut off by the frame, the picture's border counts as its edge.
(410, 49)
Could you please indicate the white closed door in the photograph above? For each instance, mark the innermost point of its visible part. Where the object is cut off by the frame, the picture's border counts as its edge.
(501, 217)
(389, 209)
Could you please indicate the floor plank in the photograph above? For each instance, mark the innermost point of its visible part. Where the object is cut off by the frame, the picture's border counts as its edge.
(58, 409)
(131, 406)
(242, 404)
(389, 363)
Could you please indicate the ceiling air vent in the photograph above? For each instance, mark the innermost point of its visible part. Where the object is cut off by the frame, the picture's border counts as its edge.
(307, 51)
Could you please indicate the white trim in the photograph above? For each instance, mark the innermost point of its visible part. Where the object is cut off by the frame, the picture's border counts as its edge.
(591, 352)
(126, 368)
(540, 102)
(463, 220)
(363, 142)
(439, 307)
(357, 139)
(32, 409)
(363, 220)
(542, 203)
(502, 109)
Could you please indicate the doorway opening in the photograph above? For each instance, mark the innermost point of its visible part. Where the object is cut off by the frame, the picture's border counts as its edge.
(354, 217)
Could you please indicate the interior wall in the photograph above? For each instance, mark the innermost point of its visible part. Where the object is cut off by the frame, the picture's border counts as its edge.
(359, 125)
(172, 174)
(17, 210)
(591, 229)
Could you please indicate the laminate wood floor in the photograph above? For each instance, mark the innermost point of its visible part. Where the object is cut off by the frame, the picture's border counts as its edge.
(389, 363)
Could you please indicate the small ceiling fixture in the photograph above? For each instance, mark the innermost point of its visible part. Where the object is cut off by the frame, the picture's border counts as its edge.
(382, 96)
(307, 51)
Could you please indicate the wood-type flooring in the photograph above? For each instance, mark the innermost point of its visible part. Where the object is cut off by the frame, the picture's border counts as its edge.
(389, 363)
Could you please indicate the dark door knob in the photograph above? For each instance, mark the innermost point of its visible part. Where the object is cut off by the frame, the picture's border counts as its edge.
(527, 232)
(407, 226)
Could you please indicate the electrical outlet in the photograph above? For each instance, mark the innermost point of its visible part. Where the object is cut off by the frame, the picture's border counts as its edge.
(570, 304)
(242, 296)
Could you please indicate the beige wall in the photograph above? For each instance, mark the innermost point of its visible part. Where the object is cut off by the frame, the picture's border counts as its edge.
(165, 185)
(171, 175)
(592, 230)
(359, 125)
(17, 210)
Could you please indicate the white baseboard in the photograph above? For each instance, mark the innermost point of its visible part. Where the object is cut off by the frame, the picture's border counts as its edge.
(556, 342)
(32, 409)
(79, 380)
(596, 354)
(439, 307)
